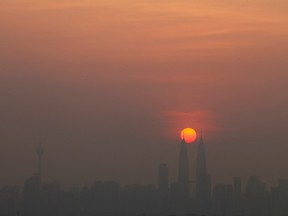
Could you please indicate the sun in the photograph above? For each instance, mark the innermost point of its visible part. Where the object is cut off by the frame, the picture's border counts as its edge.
(189, 135)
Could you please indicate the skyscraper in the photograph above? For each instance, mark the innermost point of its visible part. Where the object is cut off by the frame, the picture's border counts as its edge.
(163, 179)
(183, 173)
(203, 181)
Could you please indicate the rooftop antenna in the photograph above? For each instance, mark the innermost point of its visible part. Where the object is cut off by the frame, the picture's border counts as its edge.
(184, 135)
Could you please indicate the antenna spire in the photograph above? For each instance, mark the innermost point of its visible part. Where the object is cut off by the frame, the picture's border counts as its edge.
(184, 136)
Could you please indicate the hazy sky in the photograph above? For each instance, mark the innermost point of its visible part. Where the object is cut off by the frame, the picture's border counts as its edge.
(111, 83)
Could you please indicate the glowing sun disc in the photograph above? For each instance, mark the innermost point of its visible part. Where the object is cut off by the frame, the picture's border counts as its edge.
(189, 135)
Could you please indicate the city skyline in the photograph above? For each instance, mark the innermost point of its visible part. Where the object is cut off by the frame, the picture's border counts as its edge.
(112, 83)
(192, 165)
(183, 197)
(185, 176)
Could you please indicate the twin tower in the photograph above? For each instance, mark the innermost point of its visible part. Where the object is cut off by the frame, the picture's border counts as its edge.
(202, 190)
(203, 181)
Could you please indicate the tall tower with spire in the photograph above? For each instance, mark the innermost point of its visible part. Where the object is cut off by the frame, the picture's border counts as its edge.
(183, 172)
(203, 181)
(40, 152)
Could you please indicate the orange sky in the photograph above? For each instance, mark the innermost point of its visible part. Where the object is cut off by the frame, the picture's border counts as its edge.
(136, 30)
(87, 67)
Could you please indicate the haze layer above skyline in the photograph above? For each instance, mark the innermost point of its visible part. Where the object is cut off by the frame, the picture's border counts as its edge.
(111, 84)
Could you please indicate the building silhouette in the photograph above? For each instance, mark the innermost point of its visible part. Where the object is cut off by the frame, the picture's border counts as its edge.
(9, 200)
(237, 194)
(279, 197)
(203, 181)
(110, 198)
(183, 172)
(223, 199)
(256, 197)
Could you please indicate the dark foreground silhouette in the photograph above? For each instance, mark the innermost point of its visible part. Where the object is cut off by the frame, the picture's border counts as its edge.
(110, 199)
(181, 198)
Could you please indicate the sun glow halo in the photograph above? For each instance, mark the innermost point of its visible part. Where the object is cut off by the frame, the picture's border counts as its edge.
(189, 135)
